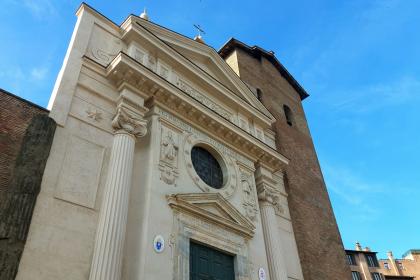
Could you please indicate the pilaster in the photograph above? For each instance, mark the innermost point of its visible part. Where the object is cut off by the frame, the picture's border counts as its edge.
(128, 125)
(268, 197)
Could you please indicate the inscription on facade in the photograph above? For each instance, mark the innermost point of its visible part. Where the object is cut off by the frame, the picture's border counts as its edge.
(184, 86)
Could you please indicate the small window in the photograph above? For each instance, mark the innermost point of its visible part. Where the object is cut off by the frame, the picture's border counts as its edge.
(355, 275)
(371, 260)
(259, 94)
(207, 167)
(386, 265)
(400, 266)
(288, 114)
(376, 276)
(351, 260)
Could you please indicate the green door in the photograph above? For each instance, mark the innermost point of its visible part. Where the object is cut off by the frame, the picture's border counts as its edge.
(209, 264)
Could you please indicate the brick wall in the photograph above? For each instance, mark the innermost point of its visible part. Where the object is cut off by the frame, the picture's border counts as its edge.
(319, 242)
(15, 116)
(26, 134)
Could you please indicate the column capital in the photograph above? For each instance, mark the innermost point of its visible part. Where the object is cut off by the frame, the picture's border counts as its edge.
(129, 122)
(268, 188)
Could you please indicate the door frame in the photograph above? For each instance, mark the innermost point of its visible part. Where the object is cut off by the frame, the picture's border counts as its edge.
(188, 228)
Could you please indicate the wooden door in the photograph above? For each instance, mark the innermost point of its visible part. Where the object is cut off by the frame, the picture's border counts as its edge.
(209, 264)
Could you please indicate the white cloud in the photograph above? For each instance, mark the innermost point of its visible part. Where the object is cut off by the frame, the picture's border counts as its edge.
(39, 73)
(40, 9)
(372, 97)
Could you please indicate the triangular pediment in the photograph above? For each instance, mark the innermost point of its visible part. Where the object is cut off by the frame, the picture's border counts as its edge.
(206, 59)
(213, 207)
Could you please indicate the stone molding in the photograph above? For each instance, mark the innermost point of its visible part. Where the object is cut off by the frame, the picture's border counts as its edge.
(209, 219)
(228, 166)
(125, 70)
(227, 216)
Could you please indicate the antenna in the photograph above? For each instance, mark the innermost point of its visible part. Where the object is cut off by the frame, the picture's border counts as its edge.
(199, 29)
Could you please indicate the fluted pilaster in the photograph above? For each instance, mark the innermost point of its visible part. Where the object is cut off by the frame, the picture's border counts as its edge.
(110, 236)
(268, 188)
(276, 264)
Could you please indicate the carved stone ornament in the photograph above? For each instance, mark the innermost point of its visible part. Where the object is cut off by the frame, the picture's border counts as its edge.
(249, 197)
(168, 163)
(268, 194)
(94, 114)
(126, 121)
(228, 166)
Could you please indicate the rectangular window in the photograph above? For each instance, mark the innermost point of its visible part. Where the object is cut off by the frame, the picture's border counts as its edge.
(376, 276)
(371, 260)
(386, 265)
(355, 275)
(351, 260)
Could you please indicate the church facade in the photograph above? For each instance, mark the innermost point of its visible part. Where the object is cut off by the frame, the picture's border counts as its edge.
(166, 164)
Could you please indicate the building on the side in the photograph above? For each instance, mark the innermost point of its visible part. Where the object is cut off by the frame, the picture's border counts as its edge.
(407, 266)
(364, 265)
(26, 134)
(171, 160)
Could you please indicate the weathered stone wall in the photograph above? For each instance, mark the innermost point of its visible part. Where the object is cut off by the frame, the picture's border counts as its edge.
(319, 243)
(26, 134)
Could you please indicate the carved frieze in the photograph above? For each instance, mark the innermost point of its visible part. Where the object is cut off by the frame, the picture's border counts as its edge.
(168, 162)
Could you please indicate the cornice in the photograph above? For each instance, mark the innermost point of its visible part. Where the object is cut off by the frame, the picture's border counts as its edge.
(125, 70)
(136, 30)
(190, 203)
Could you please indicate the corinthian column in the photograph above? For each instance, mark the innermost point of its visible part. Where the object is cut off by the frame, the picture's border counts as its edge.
(109, 243)
(268, 198)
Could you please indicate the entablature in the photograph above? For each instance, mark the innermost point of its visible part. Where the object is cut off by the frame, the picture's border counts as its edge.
(124, 72)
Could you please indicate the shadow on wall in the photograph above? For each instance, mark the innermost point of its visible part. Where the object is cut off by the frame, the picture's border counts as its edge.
(18, 201)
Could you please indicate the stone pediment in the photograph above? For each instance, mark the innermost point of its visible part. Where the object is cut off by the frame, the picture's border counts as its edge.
(200, 59)
(213, 208)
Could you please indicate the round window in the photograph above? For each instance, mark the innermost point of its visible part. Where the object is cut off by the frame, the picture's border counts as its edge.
(207, 167)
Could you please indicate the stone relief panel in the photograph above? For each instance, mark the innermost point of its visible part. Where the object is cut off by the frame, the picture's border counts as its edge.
(249, 196)
(168, 160)
(103, 46)
(80, 173)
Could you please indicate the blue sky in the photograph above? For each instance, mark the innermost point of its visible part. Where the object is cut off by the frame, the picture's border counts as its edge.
(359, 60)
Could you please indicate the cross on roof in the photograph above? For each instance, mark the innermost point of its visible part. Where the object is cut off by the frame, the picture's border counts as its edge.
(199, 29)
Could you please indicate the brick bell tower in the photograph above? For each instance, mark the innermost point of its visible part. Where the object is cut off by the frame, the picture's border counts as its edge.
(318, 239)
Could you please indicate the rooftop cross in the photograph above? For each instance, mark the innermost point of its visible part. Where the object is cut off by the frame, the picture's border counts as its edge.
(199, 29)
